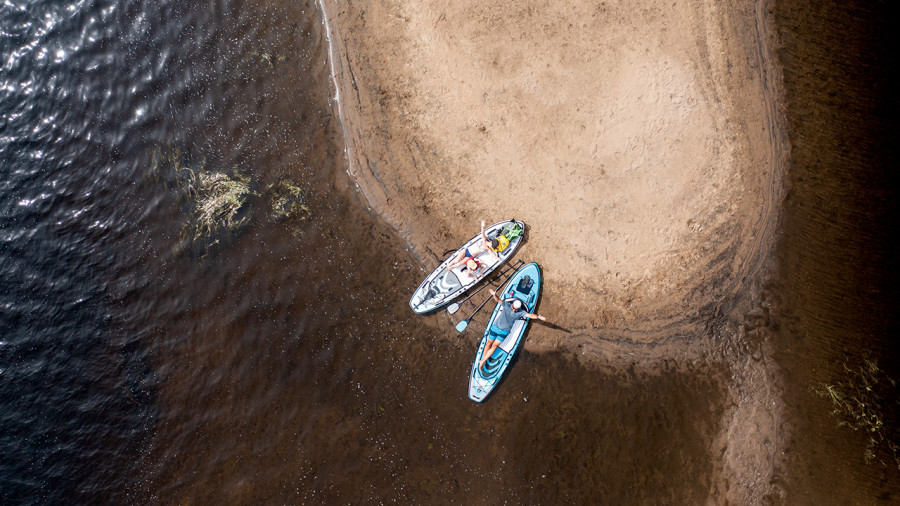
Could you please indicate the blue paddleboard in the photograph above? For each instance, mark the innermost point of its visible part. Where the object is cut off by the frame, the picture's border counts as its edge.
(525, 285)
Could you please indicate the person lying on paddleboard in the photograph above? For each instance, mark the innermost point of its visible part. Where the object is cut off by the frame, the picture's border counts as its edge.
(468, 255)
(510, 311)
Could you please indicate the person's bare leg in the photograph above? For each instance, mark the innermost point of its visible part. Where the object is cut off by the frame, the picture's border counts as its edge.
(488, 351)
(456, 260)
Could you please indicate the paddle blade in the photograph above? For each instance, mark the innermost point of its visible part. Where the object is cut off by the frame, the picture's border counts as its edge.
(453, 308)
(462, 325)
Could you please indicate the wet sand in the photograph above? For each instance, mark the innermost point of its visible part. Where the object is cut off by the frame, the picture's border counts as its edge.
(641, 144)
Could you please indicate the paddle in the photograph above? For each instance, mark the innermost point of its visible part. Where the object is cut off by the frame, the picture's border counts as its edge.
(453, 308)
(465, 323)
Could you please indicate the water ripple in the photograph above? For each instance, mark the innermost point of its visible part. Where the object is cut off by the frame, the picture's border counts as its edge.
(90, 284)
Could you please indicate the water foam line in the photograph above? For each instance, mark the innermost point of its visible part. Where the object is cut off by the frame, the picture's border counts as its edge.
(337, 89)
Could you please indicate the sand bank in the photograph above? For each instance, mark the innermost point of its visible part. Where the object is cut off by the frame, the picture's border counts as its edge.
(635, 140)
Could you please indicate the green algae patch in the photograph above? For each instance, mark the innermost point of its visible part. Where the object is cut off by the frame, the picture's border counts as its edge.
(288, 202)
(216, 200)
(288, 205)
(214, 203)
(857, 401)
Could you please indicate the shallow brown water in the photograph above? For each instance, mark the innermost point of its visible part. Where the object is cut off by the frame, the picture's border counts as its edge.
(836, 292)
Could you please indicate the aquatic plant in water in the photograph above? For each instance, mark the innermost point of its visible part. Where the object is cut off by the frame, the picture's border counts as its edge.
(216, 202)
(212, 200)
(217, 199)
(857, 405)
(288, 203)
(267, 58)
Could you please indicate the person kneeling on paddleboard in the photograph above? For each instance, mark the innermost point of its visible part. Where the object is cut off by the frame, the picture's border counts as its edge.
(510, 311)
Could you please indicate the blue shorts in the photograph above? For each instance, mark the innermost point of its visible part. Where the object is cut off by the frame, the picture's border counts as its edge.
(497, 334)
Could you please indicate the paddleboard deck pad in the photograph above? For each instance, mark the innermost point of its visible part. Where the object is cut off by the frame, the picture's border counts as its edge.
(443, 285)
(525, 285)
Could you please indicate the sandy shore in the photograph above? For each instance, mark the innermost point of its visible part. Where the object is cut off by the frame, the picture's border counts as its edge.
(640, 143)
(634, 140)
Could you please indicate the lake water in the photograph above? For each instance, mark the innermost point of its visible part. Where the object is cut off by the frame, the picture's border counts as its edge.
(149, 357)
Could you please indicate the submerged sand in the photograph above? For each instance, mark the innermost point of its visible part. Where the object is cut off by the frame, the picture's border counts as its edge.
(641, 144)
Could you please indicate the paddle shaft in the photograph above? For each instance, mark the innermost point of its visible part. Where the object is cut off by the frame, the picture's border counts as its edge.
(460, 327)
(489, 283)
(479, 308)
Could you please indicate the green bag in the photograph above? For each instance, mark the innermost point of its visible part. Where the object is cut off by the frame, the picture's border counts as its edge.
(512, 231)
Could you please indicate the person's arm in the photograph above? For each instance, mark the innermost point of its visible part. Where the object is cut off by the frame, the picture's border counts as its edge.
(494, 295)
(539, 317)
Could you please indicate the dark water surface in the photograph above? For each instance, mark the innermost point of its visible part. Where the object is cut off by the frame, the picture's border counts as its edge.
(278, 362)
(836, 293)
